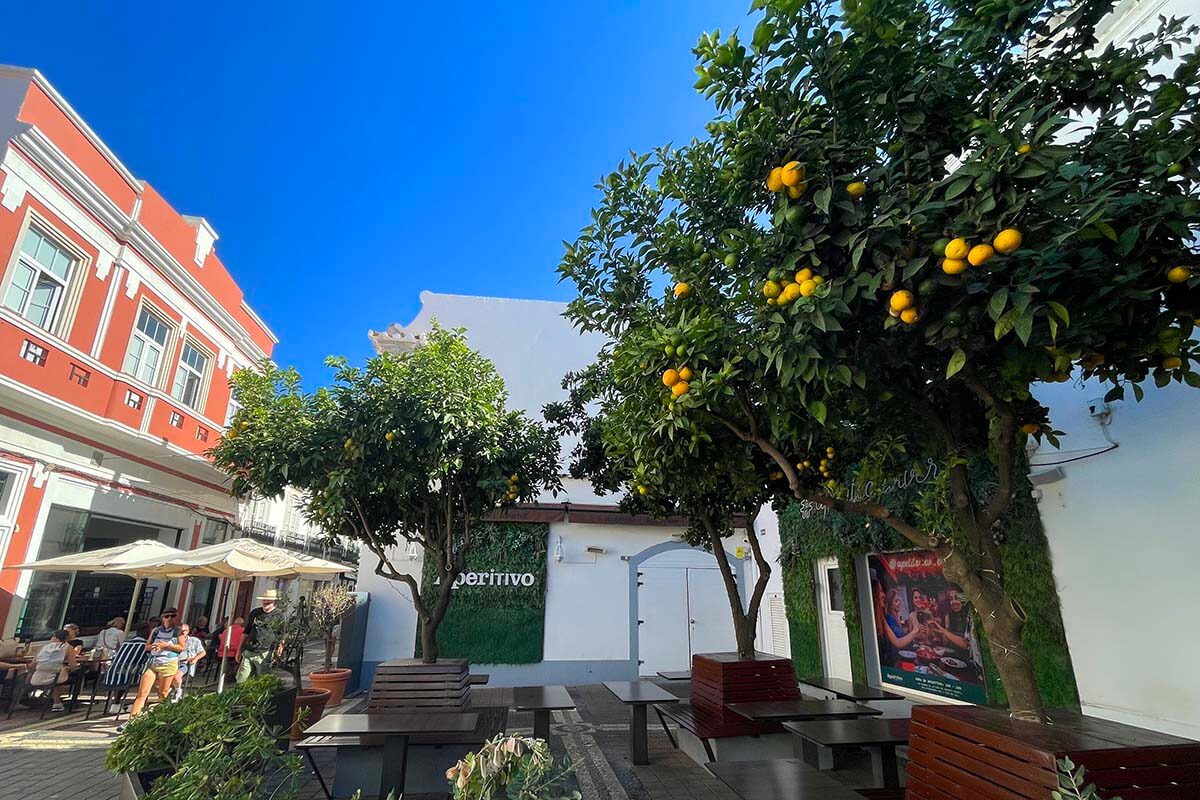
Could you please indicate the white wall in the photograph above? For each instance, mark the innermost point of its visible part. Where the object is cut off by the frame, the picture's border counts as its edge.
(1122, 528)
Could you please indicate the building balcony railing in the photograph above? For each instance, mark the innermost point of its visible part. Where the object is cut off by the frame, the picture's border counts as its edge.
(309, 545)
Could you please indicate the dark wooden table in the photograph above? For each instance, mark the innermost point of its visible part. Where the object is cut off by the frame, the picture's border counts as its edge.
(779, 778)
(395, 730)
(479, 679)
(880, 735)
(541, 700)
(786, 710)
(638, 695)
(679, 675)
(848, 690)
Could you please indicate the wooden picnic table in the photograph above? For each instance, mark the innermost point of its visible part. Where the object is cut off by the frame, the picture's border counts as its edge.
(788, 710)
(881, 736)
(848, 690)
(395, 730)
(779, 778)
(638, 695)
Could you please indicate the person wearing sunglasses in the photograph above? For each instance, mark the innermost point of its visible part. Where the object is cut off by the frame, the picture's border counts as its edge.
(164, 645)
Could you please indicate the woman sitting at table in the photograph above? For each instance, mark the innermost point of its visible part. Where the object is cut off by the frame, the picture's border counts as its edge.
(898, 633)
(113, 635)
(51, 665)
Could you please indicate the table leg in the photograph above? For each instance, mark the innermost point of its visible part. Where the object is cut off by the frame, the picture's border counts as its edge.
(395, 765)
(816, 756)
(884, 766)
(541, 724)
(637, 736)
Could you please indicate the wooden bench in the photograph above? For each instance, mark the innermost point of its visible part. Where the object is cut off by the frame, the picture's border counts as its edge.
(708, 726)
(968, 752)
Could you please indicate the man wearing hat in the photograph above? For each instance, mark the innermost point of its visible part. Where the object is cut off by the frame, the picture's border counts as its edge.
(260, 637)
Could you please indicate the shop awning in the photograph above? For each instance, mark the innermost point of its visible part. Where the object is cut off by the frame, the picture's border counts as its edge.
(104, 560)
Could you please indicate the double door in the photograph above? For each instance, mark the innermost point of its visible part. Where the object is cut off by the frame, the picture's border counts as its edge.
(681, 611)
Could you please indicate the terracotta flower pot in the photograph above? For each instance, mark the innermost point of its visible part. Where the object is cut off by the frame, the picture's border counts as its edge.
(314, 700)
(334, 680)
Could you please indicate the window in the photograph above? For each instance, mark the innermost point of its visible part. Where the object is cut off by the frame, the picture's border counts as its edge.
(33, 353)
(146, 346)
(189, 377)
(231, 412)
(133, 400)
(202, 433)
(39, 279)
(176, 419)
(837, 601)
(80, 375)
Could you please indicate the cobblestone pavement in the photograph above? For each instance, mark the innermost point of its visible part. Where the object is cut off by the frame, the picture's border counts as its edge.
(64, 757)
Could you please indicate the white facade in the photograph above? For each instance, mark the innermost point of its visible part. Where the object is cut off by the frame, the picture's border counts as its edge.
(592, 598)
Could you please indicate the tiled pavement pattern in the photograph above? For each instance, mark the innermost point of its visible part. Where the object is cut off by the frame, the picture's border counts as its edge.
(63, 758)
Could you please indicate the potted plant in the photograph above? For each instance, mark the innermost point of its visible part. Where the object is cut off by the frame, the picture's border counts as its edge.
(511, 768)
(220, 746)
(326, 609)
(292, 626)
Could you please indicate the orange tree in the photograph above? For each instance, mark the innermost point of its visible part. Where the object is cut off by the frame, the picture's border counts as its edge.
(893, 229)
(718, 484)
(416, 447)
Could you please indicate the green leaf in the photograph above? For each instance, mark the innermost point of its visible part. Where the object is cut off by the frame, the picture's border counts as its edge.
(1030, 170)
(958, 187)
(1005, 323)
(1060, 311)
(817, 409)
(1106, 229)
(998, 302)
(957, 362)
(821, 199)
(1024, 327)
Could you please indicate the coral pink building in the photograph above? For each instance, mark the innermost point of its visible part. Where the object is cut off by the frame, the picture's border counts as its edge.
(119, 327)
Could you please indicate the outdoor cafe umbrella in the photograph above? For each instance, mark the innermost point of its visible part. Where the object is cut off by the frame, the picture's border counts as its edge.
(109, 559)
(235, 560)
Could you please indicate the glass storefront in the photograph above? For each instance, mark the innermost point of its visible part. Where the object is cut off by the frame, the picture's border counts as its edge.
(88, 599)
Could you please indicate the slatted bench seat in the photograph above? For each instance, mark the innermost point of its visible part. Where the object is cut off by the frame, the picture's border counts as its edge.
(968, 752)
(706, 725)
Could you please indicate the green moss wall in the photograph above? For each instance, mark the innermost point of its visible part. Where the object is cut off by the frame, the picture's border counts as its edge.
(492, 624)
(1029, 577)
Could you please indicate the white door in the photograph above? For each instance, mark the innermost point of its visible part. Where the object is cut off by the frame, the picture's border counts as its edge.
(835, 639)
(709, 618)
(662, 620)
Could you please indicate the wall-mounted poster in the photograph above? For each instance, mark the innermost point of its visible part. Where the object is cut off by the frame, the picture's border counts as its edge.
(925, 630)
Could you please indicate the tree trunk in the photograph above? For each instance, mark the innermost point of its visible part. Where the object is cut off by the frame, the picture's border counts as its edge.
(745, 631)
(745, 623)
(1002, 621)
(429, 646)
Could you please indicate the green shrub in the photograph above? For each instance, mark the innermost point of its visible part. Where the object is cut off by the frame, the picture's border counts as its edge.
(217, 746)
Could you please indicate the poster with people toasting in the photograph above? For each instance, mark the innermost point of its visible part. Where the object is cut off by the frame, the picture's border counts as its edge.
(925, 631)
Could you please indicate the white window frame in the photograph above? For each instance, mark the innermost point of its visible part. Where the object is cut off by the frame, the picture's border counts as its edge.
(186, 370)
(138, 335)
(10, 499)
(57, 314)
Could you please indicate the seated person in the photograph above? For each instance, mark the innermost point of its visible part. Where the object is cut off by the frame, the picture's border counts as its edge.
(51, 665)
(189, 659)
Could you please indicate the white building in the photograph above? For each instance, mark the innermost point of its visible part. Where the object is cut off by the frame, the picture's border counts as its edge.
(624, 596)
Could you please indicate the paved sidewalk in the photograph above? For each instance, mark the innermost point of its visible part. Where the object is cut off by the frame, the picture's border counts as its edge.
(64, 757)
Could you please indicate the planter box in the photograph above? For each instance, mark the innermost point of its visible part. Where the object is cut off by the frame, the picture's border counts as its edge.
(408, 684)
(720, 678)
(969, 752)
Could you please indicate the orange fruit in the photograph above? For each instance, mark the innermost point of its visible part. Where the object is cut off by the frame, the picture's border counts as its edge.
(793, 174)
(1025, 147)
(1179, 274)
(909, 316)
(1030, 428)
(807, 288)
(856, 189)
(900, 300)
(775, 179)
(957, 249)
(681, 289)
(1007, 241)
(679, 389)
(1172, 362)
(980, 254)
(670, 378)
(790, 293)
(797, 191)
(803, 275)
(685, 374)
(954, 266)
(772, 289)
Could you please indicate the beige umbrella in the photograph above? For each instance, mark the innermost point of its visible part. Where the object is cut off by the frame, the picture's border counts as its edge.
(236, 560)
(109, 559)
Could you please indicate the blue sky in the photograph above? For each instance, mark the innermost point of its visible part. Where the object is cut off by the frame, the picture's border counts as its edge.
(351, 158)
